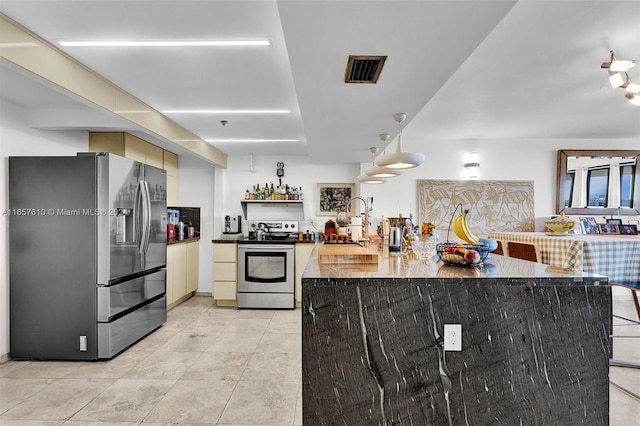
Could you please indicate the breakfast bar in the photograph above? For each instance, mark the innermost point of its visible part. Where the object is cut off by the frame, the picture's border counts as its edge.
(378, 339)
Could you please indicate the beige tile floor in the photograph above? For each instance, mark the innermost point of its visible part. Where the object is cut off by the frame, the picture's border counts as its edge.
(208, 365)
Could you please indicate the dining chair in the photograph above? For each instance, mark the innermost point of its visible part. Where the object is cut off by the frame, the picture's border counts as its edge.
(525, 251)
(501, 250)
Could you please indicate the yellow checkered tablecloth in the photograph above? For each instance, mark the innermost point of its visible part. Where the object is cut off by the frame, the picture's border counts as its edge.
(616, 256)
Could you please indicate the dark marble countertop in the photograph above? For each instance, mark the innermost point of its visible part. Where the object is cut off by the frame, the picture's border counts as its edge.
(407, 266)
(185, 241)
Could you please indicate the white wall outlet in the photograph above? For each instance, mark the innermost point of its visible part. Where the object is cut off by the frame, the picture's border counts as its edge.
(83, 343)
(453, 337)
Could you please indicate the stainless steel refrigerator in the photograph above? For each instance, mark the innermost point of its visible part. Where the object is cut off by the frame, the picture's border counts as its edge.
(87, 255)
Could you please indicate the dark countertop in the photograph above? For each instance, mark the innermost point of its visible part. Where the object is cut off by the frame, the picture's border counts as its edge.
(229, 241)
(186, 240)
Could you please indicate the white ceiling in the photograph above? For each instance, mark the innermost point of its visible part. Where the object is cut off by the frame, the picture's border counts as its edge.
(517, 70)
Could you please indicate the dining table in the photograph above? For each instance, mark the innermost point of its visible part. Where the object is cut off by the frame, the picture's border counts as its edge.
(615, 256)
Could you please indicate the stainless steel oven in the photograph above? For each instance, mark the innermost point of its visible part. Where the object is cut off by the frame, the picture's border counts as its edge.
(266, 268)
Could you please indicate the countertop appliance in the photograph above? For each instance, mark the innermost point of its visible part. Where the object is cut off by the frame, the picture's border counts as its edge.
(232, 224)
(87, 255)
(266, 266)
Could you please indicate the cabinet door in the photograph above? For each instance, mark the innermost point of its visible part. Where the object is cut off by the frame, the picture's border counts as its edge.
(172, 190)
(193, 262)
(224, 290)
(224, 252)
(176, 272)
(171, 267)
(170, 163)
(154, 156)
(135, 148)
(107, 142)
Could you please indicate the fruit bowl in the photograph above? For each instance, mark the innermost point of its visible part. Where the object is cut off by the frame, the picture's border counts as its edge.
(462, 254)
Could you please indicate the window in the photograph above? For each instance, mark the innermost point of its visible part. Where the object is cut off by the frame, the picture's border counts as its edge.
(597, 187)
(568, 187)
(627, 172)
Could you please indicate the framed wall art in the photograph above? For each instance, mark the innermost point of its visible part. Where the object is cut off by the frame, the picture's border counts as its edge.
(616, 221)
(332, 197)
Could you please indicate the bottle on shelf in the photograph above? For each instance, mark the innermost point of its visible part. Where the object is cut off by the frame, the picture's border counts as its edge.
(300, 194)
(246, 195)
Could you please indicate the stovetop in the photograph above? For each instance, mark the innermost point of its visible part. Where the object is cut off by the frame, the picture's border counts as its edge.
(268, 239)
(273, 232)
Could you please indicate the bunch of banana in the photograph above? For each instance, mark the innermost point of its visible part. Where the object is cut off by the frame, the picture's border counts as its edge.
(461, 228)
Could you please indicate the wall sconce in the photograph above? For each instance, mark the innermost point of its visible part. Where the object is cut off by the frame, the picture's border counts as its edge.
(472, 164)
(618, 77)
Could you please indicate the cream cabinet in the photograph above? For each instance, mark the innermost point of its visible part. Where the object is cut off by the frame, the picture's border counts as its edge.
(193, 265)
(129, 146)
(303, 252)
(170, 164)
(182, 271)
(225, 273)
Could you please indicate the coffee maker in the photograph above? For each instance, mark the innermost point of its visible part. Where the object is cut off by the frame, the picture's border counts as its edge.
(232, 224)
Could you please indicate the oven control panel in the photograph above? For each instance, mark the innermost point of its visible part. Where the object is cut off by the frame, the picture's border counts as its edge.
(288, 226)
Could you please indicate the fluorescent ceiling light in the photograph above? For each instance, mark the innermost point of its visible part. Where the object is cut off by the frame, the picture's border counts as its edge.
(250, 140)
(18, 44)
(226, 111)
(192, 43)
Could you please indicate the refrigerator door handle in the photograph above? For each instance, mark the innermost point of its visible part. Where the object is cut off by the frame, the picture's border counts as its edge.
(147, 216)
(137, 222)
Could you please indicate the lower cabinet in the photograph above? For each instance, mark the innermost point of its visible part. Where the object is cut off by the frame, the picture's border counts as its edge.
(182, 272)
(225, 273)
(303, 252)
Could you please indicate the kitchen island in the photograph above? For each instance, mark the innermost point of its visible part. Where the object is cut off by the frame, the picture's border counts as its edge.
(535, 344)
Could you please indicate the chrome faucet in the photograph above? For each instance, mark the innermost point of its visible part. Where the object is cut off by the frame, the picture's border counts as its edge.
(366, 217)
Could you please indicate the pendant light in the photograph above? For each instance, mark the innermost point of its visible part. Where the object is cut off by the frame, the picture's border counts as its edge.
(377, 171)
(400, 159)
(366, 178)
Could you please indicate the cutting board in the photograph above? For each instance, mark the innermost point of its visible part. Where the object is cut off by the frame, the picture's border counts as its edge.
(348, 253)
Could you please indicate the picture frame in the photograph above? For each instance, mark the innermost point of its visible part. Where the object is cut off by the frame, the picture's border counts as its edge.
(628, 229)
(332, 197)
(608, 228)
(589, 225)
(616, 221)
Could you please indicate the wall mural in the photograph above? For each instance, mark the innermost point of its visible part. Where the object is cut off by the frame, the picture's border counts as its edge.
(494, 205)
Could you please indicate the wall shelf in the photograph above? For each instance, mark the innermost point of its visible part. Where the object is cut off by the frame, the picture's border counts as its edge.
(271, 203)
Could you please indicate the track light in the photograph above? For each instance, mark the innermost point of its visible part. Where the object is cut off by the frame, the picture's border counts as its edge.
(634, 99)
(618, 77)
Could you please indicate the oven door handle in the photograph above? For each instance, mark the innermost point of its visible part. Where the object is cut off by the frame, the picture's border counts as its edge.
(264, 247)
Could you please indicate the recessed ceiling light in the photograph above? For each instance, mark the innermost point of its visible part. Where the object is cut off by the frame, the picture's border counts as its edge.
(192, 43)
(226, 111)
(250, 140)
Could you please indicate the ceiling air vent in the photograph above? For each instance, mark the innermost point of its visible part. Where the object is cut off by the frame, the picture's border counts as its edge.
(364, 69)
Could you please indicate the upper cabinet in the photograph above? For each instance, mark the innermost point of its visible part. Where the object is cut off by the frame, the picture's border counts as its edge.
(170, 161)
(134, 148)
